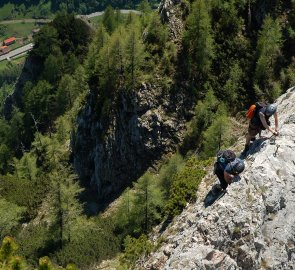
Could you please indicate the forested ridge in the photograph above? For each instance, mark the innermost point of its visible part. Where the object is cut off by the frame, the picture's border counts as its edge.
(44, 9)
(231, 53)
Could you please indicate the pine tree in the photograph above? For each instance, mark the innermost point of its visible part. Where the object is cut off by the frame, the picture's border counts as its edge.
(53, 67)
(38, 102)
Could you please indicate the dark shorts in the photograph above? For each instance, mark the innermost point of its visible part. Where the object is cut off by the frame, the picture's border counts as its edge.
(253, 130)
(219, 171)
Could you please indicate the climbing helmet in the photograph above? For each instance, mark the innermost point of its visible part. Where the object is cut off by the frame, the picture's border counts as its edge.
(270, 109)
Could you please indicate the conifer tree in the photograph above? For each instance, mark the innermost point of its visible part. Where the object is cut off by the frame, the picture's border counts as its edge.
(218, 134)
(134, 55)
(109, 19)
(111, 64)
(26, 167)
(148, 199)
(268, 50)
(146, 11)
(123, 218)
(100, 39)
(233, 86)
(10, 215)
(8, 259)
(66, 93)
(37, 102)
(199, 41)
(66, 208)
(53, 66)
(168, 171)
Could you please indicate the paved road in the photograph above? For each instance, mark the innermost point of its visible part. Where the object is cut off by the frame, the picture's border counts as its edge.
(17, 51)
(29, 47)
(95, 14)
(26, 21)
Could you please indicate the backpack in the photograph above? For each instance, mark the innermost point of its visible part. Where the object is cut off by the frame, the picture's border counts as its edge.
(254, 109)
(225, 157)
(222, 159)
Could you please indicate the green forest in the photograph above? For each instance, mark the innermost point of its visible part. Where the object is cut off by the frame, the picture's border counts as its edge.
(18, 9)
(231, 53)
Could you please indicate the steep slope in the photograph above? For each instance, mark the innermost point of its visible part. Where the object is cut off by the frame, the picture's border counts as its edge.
(253, 225)
(148, 123)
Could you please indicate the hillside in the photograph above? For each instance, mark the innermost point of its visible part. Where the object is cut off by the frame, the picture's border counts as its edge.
(15, 9)
(252, 226)
(107, 132)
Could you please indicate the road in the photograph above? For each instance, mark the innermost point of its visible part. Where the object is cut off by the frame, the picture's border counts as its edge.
(95, 14)
(17, 51)
(29, 47)
(26, 21)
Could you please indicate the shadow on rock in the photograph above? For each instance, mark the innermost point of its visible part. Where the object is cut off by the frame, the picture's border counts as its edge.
(212, 198)
(256, 146)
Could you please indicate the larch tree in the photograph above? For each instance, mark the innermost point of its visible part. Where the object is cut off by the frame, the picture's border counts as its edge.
(134, 55)
(268, 50)
(66, 209)
(199, 42)
(100, 39)
(148, 199)
(218, 134)
(109, 19)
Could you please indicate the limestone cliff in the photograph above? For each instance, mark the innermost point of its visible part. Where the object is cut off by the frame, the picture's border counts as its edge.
(145, 124)
(253, 225)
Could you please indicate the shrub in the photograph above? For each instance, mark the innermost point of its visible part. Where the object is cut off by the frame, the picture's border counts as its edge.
(134, 249)
(184, 186)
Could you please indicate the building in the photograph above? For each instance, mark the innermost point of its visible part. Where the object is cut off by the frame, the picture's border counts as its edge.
(9, 41)
(3, 50)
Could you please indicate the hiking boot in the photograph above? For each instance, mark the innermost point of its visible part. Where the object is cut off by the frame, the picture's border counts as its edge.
(216, 190)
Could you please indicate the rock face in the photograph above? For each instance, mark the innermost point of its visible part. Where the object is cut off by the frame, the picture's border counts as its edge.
(147, 123)
(171, 12)
(30, 72)
(253, 225)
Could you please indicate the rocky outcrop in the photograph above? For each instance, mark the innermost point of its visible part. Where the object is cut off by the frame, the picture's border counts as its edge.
(30, 72)
(172, 12)
(253, 225)
(146, 123)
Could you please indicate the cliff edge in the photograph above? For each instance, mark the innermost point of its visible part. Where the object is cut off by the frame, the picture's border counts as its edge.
(253, 225)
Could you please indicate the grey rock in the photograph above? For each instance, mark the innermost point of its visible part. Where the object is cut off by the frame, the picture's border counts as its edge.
(111, 151)
(253, 225)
